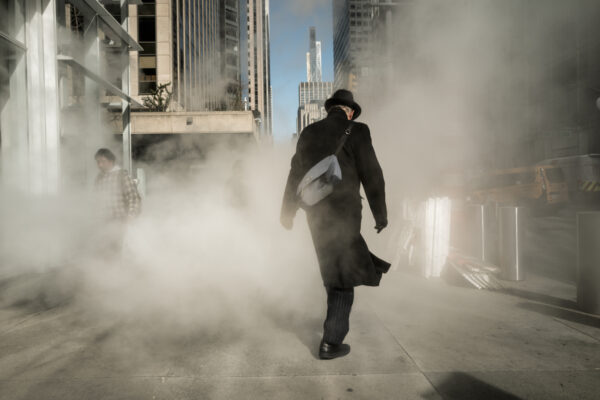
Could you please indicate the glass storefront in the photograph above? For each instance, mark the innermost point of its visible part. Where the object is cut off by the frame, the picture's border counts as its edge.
(61, 91)
(13, 90)
(12, 19)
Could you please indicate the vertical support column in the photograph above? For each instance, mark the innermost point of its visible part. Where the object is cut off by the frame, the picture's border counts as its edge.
(511, 243)
(132, 28)
(389, 39)
(51, 180)
(92, 94)
(35, 97)
(125, 105)
(42, 95)
(164, 60)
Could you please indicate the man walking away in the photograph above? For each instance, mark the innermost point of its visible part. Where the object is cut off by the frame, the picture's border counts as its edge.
(335, 222)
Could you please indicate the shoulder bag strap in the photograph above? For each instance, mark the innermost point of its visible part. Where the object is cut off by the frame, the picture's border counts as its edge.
(344, 138)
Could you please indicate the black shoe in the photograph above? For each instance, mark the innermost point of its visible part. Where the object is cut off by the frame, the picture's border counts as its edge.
(330, 351)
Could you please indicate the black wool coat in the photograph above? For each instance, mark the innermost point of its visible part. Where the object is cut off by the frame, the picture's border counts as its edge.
(344, 258)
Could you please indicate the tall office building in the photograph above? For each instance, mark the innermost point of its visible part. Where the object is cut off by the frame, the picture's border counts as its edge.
(312, 94)
(195, 45)
(259, 62)
(352, 30)
(313, 58)
(314, 91)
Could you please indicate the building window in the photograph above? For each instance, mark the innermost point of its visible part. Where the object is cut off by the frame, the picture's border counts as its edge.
(147, 9)
(147, 29)
(149, 48)
(230, 44)
(231, 31)
(147, 39)
(230, 16)
(232, 59)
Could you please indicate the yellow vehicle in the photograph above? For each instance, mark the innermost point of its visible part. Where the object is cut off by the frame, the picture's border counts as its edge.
(535, 185)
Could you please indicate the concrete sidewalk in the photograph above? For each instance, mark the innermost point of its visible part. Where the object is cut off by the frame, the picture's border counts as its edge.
(411, 339)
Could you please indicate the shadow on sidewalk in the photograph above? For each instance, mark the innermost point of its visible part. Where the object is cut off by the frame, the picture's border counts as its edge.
(563, 313)
(307, 329)
(541, 298)
(462, 386)
(36, 292)
(553, 307)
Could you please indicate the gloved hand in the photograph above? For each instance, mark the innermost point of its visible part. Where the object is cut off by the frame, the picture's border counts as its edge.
(379, 225)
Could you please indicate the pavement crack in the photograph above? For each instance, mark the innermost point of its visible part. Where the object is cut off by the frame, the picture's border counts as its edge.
(577, 330)
(374, 311)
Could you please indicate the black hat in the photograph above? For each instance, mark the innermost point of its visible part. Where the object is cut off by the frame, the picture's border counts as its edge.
(343, 97)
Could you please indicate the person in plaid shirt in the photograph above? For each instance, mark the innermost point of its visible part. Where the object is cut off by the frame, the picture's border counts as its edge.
(119, 200)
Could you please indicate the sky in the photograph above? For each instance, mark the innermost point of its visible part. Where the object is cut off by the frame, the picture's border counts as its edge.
(290, 22)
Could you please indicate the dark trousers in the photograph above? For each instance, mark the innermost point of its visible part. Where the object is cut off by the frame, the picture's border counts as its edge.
(337, 323)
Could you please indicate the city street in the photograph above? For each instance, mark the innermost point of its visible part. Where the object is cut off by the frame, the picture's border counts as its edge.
(411, 338)
(189, 188)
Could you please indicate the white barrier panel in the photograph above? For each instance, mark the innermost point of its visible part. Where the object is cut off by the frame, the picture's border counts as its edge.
(436, 235)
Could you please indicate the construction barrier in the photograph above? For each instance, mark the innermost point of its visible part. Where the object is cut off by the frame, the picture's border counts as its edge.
(481, 233)
(474, 241)
(589, 186)
(511, 243)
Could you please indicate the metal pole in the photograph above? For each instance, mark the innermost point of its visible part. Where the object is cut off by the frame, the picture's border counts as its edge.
(92, 93)
(125, 105)
(475, 234)
(511, 243)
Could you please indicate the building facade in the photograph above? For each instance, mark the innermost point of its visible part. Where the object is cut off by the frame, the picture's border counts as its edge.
(194, 45)
(314, 91)
(312, 94)
(64, 84)
(542, 67)
(259, 63)
(310, 113)
(311, 100)
(562, 109)
(352, 35)
(314, 71)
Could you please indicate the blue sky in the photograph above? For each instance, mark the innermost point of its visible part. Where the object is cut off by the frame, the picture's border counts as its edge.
(290, 21)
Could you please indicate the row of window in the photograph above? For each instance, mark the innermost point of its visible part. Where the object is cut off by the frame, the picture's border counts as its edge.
(364, 5)
(147, 39)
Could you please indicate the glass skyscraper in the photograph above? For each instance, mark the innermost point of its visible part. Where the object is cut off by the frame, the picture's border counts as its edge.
(259, 62)
(313, 58)
(312, 94)
(352, 29)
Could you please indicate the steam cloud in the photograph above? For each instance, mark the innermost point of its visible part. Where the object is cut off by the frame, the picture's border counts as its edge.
(195, 262)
